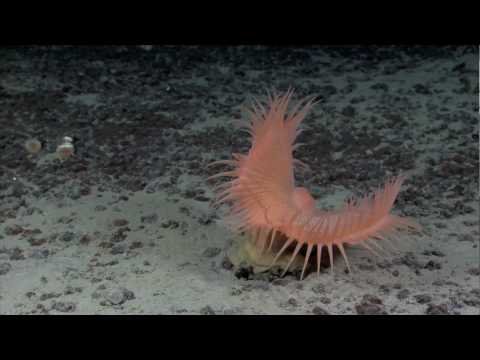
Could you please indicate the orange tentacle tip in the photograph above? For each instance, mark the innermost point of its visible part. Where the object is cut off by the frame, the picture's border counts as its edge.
(264, 199)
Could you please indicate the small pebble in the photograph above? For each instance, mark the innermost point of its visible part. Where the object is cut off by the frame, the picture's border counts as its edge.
(120, 222)
(119, 296)
(67, 236)
(403, 294)
(5, 268)
(65, 307)
(211, 252)
(441, 309)
(317, 310)
(423, 298)
(207, 310)
(227, 264)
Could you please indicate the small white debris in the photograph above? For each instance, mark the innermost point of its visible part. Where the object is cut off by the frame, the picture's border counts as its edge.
(66, 149)
(33, 146)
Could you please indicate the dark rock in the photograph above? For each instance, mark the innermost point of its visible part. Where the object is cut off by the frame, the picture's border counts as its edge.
(280, 282)
(227, 264)
(466, 237)
(441, 309)
(211, 252)
(244, 272)
(207, 310)
(292, 302)
(50, 295)
(119, 296)
(5, 268)
(120, 234)
(85, 239)
(40, 254)
(370, 305)
(65, 307)
(136, 245)
(317, 310)
(17, 254)
(325, 300)
(433, 265)
(474, 271)
(172, 224)
(318, 289)
(380, 86)
(403, 294)
(120, 222)
(149, 219)
(36, 241)
(423, 298)
(12, 230)
(372, 299)
(67, 236)
(118, 249)
(370, 309)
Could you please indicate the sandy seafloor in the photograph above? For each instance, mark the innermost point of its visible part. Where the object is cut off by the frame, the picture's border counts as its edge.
(125, 226)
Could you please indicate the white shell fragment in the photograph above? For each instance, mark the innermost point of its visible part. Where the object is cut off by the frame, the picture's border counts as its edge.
(66, 149)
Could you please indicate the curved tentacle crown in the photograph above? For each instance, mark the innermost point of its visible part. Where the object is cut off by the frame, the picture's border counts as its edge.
(264, 200)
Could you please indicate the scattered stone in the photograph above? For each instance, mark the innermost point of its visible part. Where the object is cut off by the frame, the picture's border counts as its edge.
(317, 310)
(136, 245)
(36, 241)
(244, 272)
(370, 305)
(384, 289)
(318, 289)
(433, 265)
(99, 208)
(280, 282)
(67, 236)
(118, 249)
(292, 302)
(48, 296)
(474, 271)
(149, 219)
(5, 268)
(12, 230)
(85, 239)
(466, 237)
(40, 254)
(119, 296)
(423, 298)
(366, 267)
(65, 307)
(227, 263)
(120, 234)
(441, 309)
(403, 294)
(372, 299)
(325, 300)
(120, 222)
(207, 310)
(72, 290)
(17, 254)
(170, 224)
(380, 86)
(369, 309)
(211, 252)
